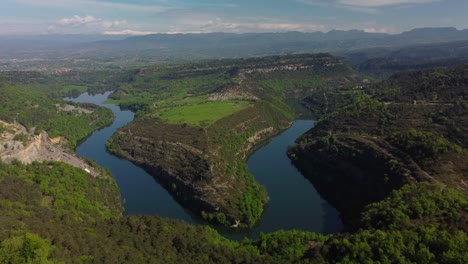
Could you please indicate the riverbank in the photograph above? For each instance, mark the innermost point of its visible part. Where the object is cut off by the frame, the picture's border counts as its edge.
(142, 194)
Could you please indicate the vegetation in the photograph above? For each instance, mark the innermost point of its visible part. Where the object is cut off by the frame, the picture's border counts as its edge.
(403, 162)
(410, 128)
(422, 146)
(38, 106)
(422, 223)
(208, 116)
(204, 114)
(2, 128)
(75, 128)
(431, 227)
(421, 204)
(61, 187)
(28, 248)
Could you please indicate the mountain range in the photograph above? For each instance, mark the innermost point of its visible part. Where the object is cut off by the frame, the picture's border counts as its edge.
(222, 45)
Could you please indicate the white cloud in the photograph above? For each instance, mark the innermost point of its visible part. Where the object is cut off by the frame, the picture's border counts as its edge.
(379, 3)
(77, 21)
(218, 24)
(189, 21)
(381, 30)
(87, 25)
(128, 32)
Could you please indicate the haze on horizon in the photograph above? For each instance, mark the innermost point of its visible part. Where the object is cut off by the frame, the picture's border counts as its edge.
(140, 17)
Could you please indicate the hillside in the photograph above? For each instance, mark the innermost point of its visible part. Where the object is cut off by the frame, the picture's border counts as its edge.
(196, 125)
(409, 129)
(55, 213)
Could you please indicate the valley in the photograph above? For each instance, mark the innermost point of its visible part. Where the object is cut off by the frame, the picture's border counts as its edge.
(388, 155)
(143, 195)
(196, 147)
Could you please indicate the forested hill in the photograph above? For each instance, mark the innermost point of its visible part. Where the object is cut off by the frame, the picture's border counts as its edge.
(198, 122)
(214, 45)
(409, 129)
(54, 213)
(35, 101)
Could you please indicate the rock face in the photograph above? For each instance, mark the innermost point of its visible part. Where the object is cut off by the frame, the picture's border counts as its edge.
(37, 148)
(231, 92)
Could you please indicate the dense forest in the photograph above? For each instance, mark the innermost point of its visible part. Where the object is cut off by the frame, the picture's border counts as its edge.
(389, 155)
(56, 213)
(409, 130)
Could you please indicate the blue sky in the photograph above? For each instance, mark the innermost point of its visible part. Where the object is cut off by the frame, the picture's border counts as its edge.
(189, 16)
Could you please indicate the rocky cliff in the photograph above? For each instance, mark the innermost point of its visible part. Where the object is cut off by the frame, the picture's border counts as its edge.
(17, 144)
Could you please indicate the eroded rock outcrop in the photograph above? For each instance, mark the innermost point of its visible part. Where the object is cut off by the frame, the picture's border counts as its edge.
(36, 148)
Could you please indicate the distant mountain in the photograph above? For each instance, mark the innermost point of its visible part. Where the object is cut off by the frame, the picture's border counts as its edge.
(430, 35)
(331, 41)
(27, 46)
(157, 47)
(215, 45)
(383, 62)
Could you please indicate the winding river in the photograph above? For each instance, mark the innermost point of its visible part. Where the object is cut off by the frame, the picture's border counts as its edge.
(294, 203)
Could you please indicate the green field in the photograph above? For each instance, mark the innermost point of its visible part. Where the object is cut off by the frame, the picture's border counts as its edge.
(203, 114)
(79, 88)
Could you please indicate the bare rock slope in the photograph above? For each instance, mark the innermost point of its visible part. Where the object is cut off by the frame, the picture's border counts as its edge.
(17, 144)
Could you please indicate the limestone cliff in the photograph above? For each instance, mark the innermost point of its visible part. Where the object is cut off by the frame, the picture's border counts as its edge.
(17, 144)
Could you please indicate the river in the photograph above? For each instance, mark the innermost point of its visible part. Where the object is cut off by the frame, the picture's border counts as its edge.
(294, 203)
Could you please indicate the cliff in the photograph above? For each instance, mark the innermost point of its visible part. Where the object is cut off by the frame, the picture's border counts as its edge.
(17, 144)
